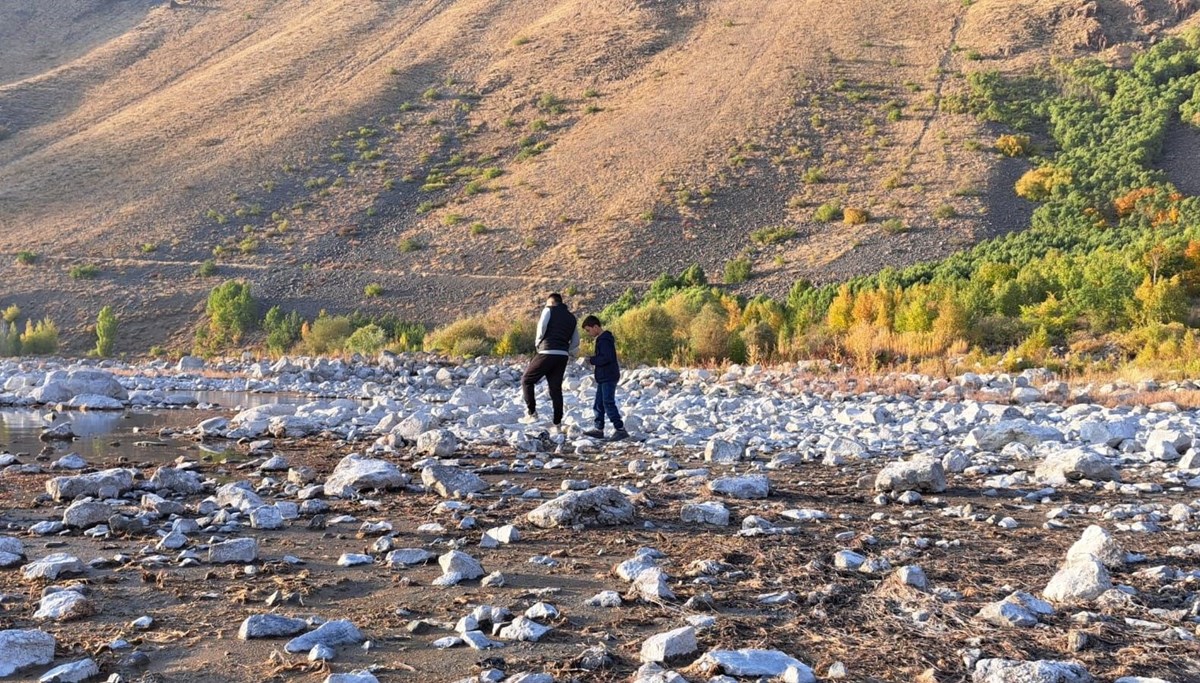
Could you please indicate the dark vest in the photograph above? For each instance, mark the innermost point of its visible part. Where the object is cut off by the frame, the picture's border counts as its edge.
(559, 330)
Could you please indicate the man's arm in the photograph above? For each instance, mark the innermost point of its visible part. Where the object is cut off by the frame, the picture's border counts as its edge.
(541, 327)
(574, 350)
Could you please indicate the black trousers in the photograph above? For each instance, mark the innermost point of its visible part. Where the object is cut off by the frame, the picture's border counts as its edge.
(552, 367)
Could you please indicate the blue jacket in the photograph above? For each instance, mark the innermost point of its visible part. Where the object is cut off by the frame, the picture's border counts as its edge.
(605, 360)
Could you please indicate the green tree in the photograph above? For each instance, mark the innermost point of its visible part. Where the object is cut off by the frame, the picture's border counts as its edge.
(106, 331)
(232, 312)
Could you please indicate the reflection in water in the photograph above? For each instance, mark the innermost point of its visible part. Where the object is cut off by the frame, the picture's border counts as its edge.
(106, 435)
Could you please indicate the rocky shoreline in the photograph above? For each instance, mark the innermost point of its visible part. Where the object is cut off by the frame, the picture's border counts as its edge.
(763, 524)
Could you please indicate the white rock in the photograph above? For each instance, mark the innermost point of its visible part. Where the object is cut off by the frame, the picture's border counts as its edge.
(1015, 671)
(525, 629)
(918, 475)
(662, 647)
(995, 436)
(354, 559)
(103, 484)
(708, 512)
(270, 626)
(21, 649)
(407, 557)
(724, 452)
(1098, 543)
(750, 663)
(1074, 464)
(85, 514)
(458, 562)
(74, 672)
(451, 482)
(603, 505)
(1082, 579)
(64, 606)
(746, 487)
(241, 550)
(52, 566)
(356, 676)
(266, 517)
(358, 473)
(330, 634)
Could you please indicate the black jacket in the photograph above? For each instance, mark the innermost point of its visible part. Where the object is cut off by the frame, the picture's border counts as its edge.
(605, 360)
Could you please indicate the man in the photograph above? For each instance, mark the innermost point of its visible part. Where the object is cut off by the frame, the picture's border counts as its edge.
(607, 372)
(557, 340)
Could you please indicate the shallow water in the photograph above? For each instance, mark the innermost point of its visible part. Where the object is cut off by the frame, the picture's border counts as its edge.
(132, 433)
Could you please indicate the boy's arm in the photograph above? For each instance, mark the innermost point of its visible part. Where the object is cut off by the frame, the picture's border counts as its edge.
(606, 352)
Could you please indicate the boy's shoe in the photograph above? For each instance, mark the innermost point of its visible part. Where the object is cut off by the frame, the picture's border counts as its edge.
(594, 433)
(619, 435)
(529, 419)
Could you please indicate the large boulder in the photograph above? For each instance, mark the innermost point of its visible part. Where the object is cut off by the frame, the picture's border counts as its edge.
(85, 514)
(914, 475)
(1074, 464)
(746, 487)
(603, 505)
(439, 443)
(993, 437)
(95, 382)
(1016, 671)
(21, 649)
(103, 484)
(1098, 543)
(330, 634)
(724, 451)
(1080, 579)
(451, 482)
(750, 663)
(177, 480)
(357, 472)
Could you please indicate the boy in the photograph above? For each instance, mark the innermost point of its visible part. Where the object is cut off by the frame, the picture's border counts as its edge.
(607, 372)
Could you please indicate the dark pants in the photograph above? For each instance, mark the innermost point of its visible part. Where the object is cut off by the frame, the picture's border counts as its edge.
(551, 367)
(606, 403)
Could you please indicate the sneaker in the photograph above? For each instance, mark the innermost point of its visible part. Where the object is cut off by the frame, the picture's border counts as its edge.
(594, 433)
(529, 419)
(619, 435)
(555, 430)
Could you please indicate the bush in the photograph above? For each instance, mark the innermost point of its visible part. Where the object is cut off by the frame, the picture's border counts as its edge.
(1039, 184)
(283, 330)
(852, 216)
(708, 338)
(373, 289)
(11, 313)
(737, 270)
(85, 271)
(894, 226)
(367, 340)
(207, 269)
(773, 235)
(106, 331)
(409, 245)
(10, 340)
(39, 339)
(232, 313)
(1013, 145)
(326, 334)
(944, 212)
(26, 258)
(518, 339)
(828, 212)
(468, 334)
(644, 334)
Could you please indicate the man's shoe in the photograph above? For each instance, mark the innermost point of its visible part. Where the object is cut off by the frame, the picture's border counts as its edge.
(619, 435)
(595, 433)
(529, 419)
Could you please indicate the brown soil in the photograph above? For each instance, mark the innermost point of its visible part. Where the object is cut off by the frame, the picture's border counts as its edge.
(837, 616)
(149, 135)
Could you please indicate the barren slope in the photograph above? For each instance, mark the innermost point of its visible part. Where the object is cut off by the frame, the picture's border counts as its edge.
(593, 143)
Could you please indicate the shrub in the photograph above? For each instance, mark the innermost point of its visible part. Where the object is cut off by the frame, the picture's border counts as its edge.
(106, 331)
(461, 337)
(945, 211)
(232, 313)
(852, 216)
(773, 235)
(26, 258)
(549, 102)
(894, 226)
(452, 219)
(644, 334)
(518, 339)
(11, 313)
(10, 340)
(207, 269)
(814, 175)
(1013, 145)
(737, 270)
(409, 244)
(326, 334)
(283, 330)
(373, 289)
(708, 338)
(1038, 184)
(39, 339)
(367, 340)
(85, 271)
(828, 212)
(478, 228)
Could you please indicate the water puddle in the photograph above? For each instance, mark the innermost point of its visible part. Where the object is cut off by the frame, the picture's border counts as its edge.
(104, 436)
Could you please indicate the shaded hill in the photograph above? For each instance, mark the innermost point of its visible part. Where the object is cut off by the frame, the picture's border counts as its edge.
(472, 153)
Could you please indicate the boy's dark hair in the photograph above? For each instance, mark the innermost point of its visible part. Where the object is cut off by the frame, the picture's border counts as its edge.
(555, 297)
(591, 321)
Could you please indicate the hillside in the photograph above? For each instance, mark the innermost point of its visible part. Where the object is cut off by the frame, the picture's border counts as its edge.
(471, 153)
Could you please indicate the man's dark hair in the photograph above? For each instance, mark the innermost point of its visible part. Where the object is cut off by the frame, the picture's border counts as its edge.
(591, 321)
(555, 297)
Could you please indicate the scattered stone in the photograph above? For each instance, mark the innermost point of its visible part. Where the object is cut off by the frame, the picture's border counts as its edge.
(525, 629)
(356, 473)
(270, 626)
(915, 475)
(85, 514)
(708, 512)
(670, 645)
(330, 634)
(743, 488)
(750, 663)
(242, 550)
(452, 482)
(604, 505)
(1098, 543)
(1042, 671)
(21, 649)
(52, 566)
(408, 557)
(439, 443)
(1079, 580)
(724, 452)
(75, 672)
(460, 564)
